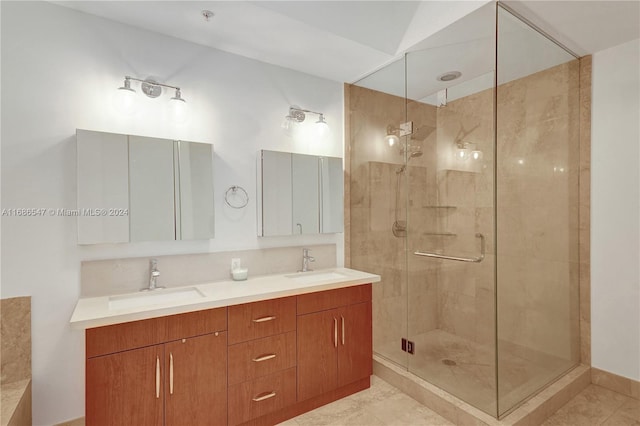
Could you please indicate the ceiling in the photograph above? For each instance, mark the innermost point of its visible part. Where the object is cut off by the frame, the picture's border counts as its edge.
(346, 40)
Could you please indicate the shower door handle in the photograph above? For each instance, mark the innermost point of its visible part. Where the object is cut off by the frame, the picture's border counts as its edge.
(477, 259)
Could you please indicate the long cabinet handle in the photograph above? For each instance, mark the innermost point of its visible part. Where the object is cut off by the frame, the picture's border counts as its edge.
(171, 373)
(264, 357)
(157, 377)
(263, 396)
(335, 332)
(342, 329)
(265, 319)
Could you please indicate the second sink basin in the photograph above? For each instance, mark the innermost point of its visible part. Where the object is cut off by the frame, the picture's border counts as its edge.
(314, 277)
(155, 297)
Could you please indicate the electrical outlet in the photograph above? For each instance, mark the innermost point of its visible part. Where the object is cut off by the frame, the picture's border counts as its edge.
(235, 263)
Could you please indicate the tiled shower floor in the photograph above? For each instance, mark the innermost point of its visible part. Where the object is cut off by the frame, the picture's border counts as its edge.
(465, 369)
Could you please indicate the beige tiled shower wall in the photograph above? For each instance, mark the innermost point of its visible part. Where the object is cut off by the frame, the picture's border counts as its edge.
(465, 196)
(538, 212)
(373, 172)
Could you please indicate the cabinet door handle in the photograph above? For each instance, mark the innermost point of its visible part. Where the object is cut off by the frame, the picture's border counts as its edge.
(264, 357)
(171, 373)
(157, 377)
(264, 319)
(263, 396)
(342, 329)
(335, 332)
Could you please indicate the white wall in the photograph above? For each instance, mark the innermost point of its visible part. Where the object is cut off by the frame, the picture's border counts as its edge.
(615, 210)
(60, 69)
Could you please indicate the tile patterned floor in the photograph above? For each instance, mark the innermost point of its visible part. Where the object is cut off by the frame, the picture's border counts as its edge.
(383, 404)
(597, 406)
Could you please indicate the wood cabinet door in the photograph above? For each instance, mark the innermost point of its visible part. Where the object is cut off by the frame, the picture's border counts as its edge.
(125, 388)
(355, 349)
(317, 353)
(196, 380)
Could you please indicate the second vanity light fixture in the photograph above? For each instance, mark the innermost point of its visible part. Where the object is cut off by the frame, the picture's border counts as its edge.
(298, 115)
(152, 89)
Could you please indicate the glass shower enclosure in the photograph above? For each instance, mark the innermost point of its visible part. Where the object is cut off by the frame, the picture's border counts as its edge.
(463, 195)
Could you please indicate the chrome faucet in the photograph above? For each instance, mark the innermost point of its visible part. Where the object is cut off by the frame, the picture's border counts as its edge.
(154, 273)
(306, 259)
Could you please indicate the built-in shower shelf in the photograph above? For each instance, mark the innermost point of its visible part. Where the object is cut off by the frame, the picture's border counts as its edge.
(440, 234)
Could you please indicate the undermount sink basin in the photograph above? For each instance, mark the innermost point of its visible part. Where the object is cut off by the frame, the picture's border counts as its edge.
(314, 277)
(155, 297)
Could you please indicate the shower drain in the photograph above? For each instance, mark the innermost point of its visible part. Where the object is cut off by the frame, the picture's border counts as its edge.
(449, 362)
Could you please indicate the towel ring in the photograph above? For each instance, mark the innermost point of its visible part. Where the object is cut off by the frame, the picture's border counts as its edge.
(233, 192)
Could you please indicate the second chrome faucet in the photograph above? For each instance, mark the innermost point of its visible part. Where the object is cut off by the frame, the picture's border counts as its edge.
(154, 273)
(305, 260)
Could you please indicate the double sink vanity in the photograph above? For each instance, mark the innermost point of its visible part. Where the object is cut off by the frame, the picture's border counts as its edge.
(258, 351)
(253, 352)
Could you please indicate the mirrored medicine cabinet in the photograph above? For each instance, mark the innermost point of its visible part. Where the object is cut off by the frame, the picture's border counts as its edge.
(299, 194)
(135, 188)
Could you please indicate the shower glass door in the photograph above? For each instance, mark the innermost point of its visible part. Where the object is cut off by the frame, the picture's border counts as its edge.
(451, 100)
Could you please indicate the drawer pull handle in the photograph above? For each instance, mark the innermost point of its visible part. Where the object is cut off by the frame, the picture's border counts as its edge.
(335, 332)
(265, 319)
(263, 396)
(171, 373)
(264, 357)
(342, 329)
(157, 377)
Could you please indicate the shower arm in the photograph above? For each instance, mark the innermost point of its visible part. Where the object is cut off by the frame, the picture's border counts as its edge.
(457, 258)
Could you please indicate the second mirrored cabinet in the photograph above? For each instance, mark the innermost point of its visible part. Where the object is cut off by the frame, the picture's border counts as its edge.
(299, 194)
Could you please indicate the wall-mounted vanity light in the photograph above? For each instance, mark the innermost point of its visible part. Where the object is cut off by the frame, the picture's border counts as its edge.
(466, 150)
(395, 133)
(298, 115)
(153, 89)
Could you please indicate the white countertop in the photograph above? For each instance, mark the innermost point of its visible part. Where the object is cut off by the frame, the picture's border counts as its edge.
(95, 312)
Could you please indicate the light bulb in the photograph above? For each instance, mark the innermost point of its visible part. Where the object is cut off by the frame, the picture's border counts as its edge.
(179, 111)
(392, 139)
(286, 123)
(321, 127)
(476, 155)
(462, 154)
(125, 99)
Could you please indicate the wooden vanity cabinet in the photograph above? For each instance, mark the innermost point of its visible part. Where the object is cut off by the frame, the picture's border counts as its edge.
(163, 371)
(256, 363)
(334, 340)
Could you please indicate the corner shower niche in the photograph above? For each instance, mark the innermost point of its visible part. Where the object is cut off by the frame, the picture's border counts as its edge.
(494, 331)
(135, 188)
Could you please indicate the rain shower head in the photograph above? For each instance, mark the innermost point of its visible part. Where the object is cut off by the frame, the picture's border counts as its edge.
(415, 154)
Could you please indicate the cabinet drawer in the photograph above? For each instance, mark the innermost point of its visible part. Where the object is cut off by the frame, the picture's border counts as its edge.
(261, 357)
(329, 299)
(137, 334)
(196, 323)
(256, 398)
(261, 319)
